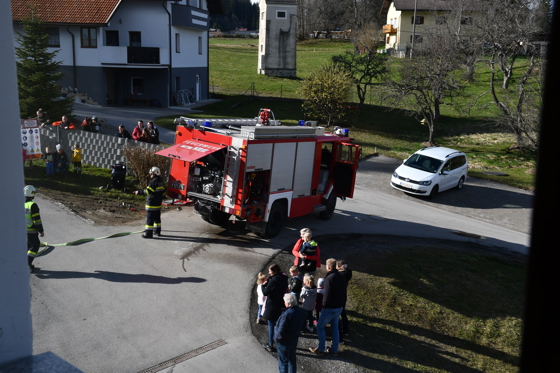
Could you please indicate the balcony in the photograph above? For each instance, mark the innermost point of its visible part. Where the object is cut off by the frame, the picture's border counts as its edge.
(143, 55)
(190, 17)
(389, 29)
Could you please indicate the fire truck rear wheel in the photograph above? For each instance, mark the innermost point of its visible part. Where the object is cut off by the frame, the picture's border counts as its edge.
(275, 220)
(331, 205)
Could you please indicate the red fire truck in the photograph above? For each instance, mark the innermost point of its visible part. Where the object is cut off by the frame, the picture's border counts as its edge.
(260, 175)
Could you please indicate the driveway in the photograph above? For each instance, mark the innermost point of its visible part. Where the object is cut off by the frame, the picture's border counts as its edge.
(181, 302)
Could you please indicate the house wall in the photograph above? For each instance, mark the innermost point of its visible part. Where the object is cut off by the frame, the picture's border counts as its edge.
(401, 40)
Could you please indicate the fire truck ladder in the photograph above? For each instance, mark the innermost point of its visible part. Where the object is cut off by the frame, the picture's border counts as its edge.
(231, 172)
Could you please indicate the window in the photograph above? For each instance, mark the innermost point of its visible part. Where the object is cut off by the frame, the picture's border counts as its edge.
(177, 43)
(280, 14)
(135, 39)
(441, 20)
(419, 20)
(417, 38)
(177, 83)
(200, 45)
(137, 86)
(89, 37)
(111, 38)
(54, 37)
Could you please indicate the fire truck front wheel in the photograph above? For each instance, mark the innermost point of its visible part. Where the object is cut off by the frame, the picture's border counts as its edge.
(218, 217)
(330, 203)
(276, 219)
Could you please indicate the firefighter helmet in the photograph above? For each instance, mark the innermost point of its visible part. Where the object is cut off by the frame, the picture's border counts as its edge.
(29, 191)
(155, 170)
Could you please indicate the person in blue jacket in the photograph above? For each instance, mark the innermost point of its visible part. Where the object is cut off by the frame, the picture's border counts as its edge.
(286, 333)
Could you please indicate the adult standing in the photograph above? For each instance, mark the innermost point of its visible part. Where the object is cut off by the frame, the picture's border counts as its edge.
(61, 161)
(344, 326)
(286, 334)
(123, 133)
(311, 257)
(334, 300)
(65, 123)
(34, 225)
(137, 131)
(274, 290)
(154, 132)
(154, 193)
(42, 118)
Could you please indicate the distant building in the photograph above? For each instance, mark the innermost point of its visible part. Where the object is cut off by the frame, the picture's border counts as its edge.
(128, 52)
(277, 38)
(402, 26)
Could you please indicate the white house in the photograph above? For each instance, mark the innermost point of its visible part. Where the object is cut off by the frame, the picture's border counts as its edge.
(120, 52)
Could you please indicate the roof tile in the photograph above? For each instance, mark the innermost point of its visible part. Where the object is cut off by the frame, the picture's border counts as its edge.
(67, 11)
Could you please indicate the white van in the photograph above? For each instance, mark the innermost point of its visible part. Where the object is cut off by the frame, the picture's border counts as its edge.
(431, 170)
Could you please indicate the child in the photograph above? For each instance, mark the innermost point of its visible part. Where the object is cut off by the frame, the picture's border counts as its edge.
(49, 159)
(77, 160)
(308, 247)
(295, 283)
(319, 300)
(261, 279)
(308, 297)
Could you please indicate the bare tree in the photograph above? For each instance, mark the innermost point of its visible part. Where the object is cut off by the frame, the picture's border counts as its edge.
(511, 34)
(363, 69)
(520, 112)
(422, 84)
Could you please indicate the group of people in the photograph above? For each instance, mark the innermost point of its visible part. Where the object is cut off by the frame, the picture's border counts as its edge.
(58, 163)
(88, 124)
(149, 134)
(291, 305)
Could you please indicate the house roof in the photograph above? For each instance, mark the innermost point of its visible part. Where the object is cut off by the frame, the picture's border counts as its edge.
(83, 12)
(408, 5)
(67, 11)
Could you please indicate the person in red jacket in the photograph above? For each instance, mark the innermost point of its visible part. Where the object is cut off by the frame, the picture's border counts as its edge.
(313, 261)
(137, 131)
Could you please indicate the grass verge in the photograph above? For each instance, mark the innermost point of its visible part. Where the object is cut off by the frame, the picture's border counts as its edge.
(438, 307)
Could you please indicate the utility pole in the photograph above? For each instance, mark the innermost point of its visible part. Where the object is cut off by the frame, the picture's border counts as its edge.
(413, 27)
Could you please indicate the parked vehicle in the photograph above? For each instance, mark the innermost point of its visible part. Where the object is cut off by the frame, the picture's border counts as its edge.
(431, 170)
(260, 175)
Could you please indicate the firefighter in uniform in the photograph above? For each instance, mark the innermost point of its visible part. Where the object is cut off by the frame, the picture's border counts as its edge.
(34, 225)
(154, 193)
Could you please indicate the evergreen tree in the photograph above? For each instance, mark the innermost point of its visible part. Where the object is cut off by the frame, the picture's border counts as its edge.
(37, 72)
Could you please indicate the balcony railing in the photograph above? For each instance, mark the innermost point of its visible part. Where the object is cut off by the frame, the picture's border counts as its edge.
(143, 55)
(389, 29)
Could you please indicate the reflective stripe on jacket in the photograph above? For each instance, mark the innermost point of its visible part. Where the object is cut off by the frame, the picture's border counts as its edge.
(32, 217)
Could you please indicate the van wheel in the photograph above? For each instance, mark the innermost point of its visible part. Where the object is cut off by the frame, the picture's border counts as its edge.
(331, 204)
(275, 220)
(434, 191)
(460, 183)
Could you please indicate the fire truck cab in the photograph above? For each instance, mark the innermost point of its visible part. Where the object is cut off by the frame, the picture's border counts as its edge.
(261, 175)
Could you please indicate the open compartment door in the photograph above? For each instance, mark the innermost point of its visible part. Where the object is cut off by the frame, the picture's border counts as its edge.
(182, 155)
(346, 163)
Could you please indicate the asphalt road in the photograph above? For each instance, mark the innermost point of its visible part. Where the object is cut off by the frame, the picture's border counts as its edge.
(126, 304)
